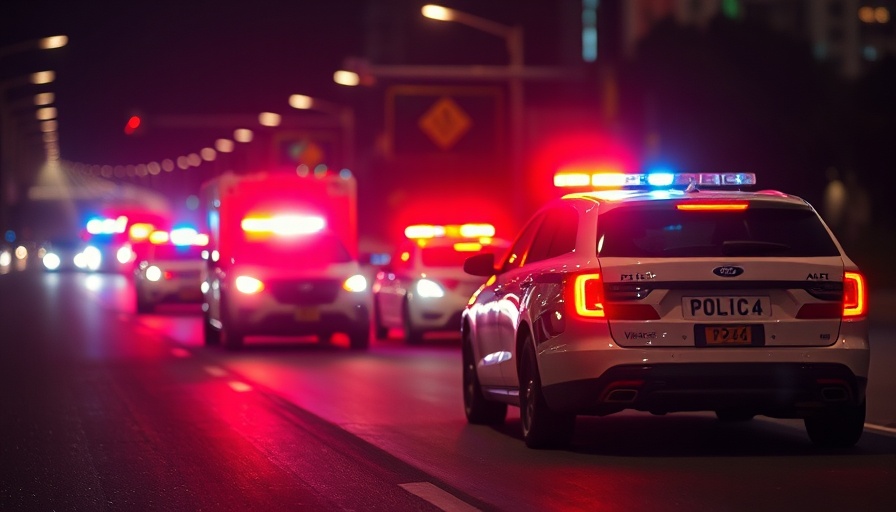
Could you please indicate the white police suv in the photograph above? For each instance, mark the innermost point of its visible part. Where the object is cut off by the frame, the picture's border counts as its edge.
(670, 293)
(424, 287)
(168, 270)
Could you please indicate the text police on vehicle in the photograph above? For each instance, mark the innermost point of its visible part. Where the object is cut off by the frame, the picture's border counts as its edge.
(669, 293)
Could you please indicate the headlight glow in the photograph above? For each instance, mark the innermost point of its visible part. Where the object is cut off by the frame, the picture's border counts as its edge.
(248, 285)
(92, 258)
(356, 283)
(429, 289)
(51, 261)
(153, 273)
(124, 254)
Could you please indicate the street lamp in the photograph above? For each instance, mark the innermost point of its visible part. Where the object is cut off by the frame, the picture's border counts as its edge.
(46, 43)
(8, 146)
(345, 115)
(513, 38)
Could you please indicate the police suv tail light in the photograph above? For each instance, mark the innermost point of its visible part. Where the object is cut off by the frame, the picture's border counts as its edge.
(429, 289)
(855, 301)
(248, 285)
(590, 298)
(357, 283)
(586, 294)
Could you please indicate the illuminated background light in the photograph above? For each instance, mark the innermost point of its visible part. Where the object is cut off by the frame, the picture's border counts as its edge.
(242, 135)
(269, 119)
(224, 145)
(347, 78)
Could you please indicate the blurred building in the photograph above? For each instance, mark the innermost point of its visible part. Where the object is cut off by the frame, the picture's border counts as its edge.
(850, 34)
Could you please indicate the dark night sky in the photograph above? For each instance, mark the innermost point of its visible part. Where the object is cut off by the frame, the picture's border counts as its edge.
(181, 57)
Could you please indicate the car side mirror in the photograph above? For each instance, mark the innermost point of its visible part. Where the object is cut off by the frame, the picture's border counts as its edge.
(482, 265)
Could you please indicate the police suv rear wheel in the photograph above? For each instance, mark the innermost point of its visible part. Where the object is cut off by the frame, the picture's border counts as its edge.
(542, 427)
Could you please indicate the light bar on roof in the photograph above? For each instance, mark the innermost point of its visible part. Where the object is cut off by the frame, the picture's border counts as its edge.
(477, 230)
(159, 237)
(183, 236)
(422, 231)
(285, 225)
(662, 179)
(107, 226)
(140, 231)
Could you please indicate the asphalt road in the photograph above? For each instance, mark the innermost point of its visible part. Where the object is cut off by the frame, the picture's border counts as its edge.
(103, 409)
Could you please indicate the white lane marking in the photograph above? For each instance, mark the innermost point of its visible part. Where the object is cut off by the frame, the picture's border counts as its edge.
(880, 428)
(215, 371)
(444, 500)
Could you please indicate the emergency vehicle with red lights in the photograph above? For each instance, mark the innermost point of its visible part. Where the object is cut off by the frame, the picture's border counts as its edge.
(424, 288)
(113, 235)
(665, 293)
(169, 268)
(283, 258)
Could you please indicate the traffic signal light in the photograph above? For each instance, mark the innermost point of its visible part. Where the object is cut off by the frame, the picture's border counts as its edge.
(132, 125)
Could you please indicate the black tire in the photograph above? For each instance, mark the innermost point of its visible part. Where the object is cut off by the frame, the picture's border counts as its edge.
(144, 306)
(210, 334)
(837, 428)
(734, 416)
(479, 411)
(412, 335)
(359, 339)
(542, 427)
(380, 332)
(231, 336)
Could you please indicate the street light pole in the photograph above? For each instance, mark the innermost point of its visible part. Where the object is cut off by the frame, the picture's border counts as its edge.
(345, 115)
(513, 37)
(6, 141)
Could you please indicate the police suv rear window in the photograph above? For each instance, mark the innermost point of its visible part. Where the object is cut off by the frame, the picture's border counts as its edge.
(663, 231)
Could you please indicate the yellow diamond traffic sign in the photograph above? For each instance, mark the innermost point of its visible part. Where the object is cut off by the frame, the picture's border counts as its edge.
(445, 123)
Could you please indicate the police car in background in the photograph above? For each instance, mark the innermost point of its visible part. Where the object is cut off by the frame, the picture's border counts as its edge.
(170, 269)
(671, 293)
(424, 288)
(68, 253)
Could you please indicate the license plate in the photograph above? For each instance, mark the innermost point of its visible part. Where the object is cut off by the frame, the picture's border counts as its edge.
(725, 307)
(305, 314)
(728, 335)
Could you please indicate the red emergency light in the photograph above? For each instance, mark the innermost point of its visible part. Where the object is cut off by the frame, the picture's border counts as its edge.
(422, 231)
(283, 224)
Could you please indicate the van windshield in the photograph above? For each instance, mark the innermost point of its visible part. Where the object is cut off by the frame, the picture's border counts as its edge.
(317, 250)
